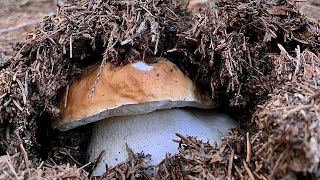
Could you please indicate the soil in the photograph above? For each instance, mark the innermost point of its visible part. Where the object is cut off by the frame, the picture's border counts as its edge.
(17, 19)
(311, 8)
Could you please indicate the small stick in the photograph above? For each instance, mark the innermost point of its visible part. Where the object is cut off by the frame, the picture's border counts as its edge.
(302, 107)
(277, 164)
(66, 96)
(148, 11)
(3, 95)
(304, 87)
(26, 160)
(249, 151)
(17, 105)
(262, 148)
(82, 167)
(230, 164)
(238, 171)
(262, 177)
(316, 95)
(172, 12)
(298, 64)
(188, 141)
(72, 157)
(122, 175)
(11, 166)
(71, 46)
(40, 166)
(248, 171)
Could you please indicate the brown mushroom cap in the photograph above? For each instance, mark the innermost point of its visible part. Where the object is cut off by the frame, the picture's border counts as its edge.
(132, 89)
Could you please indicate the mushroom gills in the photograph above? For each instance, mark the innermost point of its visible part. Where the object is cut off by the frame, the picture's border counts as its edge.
(153, 134)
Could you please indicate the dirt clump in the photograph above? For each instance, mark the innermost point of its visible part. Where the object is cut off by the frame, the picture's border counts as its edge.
(258, 58)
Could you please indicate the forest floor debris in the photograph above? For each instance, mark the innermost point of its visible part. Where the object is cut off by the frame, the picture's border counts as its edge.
(262, 57)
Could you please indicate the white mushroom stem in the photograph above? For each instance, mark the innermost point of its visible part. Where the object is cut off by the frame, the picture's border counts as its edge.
(153, 134)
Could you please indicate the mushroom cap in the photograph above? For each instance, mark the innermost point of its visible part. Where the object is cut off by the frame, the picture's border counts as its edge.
(132, 89)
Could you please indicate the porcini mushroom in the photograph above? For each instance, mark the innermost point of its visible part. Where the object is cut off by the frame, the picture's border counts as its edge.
(138, 104)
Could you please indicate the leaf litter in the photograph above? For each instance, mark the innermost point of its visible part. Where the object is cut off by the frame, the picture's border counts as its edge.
(258, 58)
